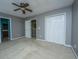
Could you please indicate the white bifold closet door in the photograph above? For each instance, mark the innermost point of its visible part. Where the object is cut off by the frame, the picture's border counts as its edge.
(55, 29)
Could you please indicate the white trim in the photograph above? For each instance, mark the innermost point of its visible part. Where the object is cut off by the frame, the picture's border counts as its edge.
(64, 13)
(54, 42)
(28, 28)
(36, 27)
(74, 53)
(34, 18)
(18, 37)
(67, 45)
(56, 14)
(10, 27)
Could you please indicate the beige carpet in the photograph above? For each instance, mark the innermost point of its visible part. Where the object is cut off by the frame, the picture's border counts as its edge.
(34, 49)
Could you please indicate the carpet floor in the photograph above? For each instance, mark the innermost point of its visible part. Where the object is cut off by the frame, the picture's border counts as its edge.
(34, 49)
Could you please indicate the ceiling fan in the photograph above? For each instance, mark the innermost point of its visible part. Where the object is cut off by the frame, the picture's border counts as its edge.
(22, 7)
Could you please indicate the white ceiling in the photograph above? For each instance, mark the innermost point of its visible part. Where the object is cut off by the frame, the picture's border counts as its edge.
(38, 6)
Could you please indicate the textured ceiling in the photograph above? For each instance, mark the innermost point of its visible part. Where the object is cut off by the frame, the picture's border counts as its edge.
(38, 6)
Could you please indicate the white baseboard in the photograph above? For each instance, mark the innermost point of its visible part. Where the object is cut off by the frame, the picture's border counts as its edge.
(18, 37)
(56, 43)
(74, 53)
(67, 45)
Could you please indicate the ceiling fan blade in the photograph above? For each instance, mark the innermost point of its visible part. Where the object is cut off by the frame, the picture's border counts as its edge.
(16, 4)
(28, 9)
(23, 12)
(16, 9)
(26, 4)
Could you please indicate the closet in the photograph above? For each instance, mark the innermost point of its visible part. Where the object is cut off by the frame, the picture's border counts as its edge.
(5, 29)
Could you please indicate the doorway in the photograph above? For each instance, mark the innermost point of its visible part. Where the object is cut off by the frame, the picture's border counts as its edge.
(5, 29)
(33, 29)
(55, 29)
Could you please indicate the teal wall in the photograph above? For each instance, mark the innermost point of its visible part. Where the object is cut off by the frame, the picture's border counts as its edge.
(4, 21)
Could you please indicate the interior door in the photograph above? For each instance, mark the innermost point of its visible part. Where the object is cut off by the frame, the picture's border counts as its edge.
(28, 29)
(33, 28)
(55, 29)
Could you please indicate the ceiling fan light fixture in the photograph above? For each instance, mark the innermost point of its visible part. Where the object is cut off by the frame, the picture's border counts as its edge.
(22, 8)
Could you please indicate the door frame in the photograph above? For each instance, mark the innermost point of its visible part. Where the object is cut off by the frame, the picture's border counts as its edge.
(10, 28)
(28, 35)
(30, 26)
(64, 13)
